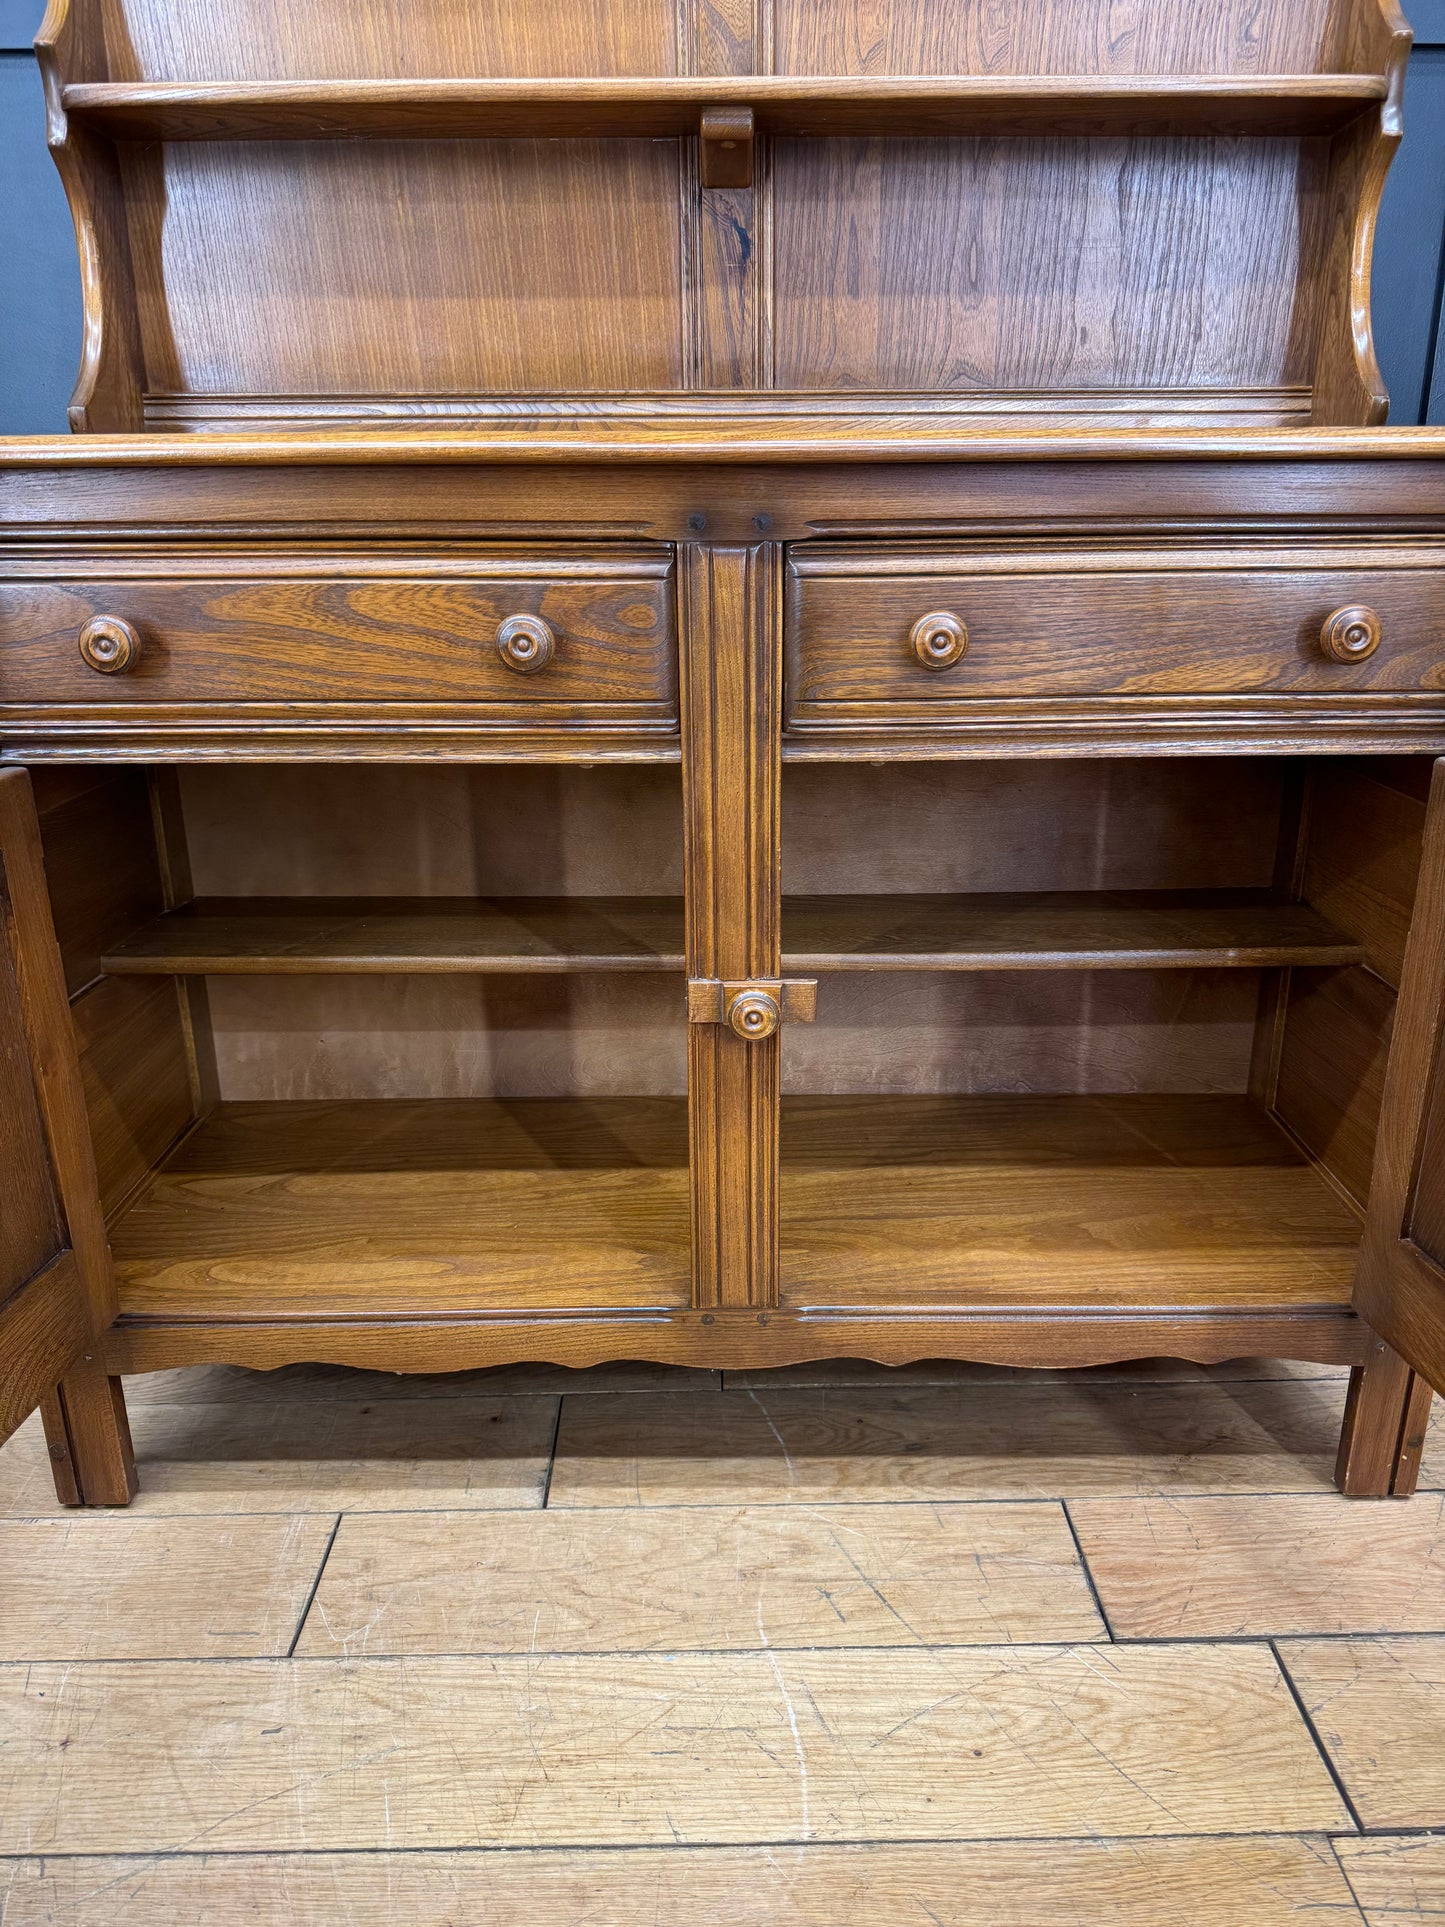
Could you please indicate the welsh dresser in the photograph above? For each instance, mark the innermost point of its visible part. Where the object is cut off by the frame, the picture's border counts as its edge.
(726, 681)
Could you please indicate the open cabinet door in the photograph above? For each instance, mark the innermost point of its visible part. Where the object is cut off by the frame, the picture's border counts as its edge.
(1401, 1285)
(56, 1284)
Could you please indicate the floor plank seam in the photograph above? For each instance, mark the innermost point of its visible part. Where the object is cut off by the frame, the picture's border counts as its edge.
(1087, 1570)
(315, 1585)
(669, 1653)
(763, 1844)
(552, 1455)
(1320, 1746)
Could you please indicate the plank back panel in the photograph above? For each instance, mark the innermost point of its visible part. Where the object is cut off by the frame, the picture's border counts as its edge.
(1051, 37)
(382, 39)
(409, 267)
(948, 265)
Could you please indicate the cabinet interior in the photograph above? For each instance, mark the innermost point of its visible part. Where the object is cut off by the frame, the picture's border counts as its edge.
(394, 1039)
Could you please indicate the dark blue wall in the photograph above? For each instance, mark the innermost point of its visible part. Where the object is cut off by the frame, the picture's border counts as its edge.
(40, 286)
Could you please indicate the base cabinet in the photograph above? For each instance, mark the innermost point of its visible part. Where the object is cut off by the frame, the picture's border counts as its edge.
(778, 1037)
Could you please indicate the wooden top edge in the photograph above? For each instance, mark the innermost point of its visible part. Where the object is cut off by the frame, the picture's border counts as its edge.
(831, 438)
(730, 88)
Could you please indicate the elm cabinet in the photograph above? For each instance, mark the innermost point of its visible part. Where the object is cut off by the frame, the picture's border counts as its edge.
(705, 686)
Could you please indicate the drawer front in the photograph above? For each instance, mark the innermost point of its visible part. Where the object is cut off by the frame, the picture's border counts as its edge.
(595, 636)
(1155, 624)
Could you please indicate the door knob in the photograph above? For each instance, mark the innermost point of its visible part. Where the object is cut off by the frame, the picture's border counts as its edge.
(939, 640)
(109, 645)
(526, 644)
(1350, 635)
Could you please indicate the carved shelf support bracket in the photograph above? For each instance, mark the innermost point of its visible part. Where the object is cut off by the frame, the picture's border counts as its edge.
(727, 146)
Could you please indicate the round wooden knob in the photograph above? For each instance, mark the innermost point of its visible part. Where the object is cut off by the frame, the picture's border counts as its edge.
(109, 645)
(753, 1014)
(526, 644)
(1351, 634)
(939, 640)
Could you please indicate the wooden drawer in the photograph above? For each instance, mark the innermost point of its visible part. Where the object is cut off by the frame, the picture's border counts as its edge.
(1107, 623)
(349, 630)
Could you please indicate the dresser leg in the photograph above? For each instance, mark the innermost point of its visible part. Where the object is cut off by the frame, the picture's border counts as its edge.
(88, 1435)
(1386, 1413)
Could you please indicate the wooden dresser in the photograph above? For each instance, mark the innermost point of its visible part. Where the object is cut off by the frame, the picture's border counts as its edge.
(725, 681)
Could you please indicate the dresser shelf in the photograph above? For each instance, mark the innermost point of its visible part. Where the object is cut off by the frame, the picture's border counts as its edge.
(1152, 929)
(1199, 104)
(324, 1211)
(1136, 1201)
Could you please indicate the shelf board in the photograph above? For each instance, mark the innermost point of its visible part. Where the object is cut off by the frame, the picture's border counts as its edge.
(292, 936)
(514, 935)
(1104, 930)
(1156, 1203)
(270, 1212)
(1283, 104)
(273, 1214)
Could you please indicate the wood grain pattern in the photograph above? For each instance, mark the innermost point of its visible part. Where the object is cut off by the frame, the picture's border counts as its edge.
(1055, 931)
(1131, 625)
(280, 935)
(295, 1456)
(100, 863)
(136, 1078)
(1396, 1881)
(1068, 1201)
(369, 639)
(1363, 859)
(531, 1750)
(658, 108)
(440, 830)
(1280, 1882)
(281, 1211)
(1399, 1287)
(213, 936)
(717, 1578)
(1379, 1708)
(1049, 37)
(822, 1447)
(1226, 1568)
(731, 651)
(440, 255)
(1331, 1079)
(57, 1288)
(138, 1588)
(949, 265)
(234, 1385)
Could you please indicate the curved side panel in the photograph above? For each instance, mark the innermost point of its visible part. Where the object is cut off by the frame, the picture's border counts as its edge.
(1349, 389)
(108, 390)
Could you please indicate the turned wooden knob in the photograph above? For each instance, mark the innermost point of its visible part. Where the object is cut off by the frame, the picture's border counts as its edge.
(526, 644)
(1351, 634)
(109, 645)
(753, 1014)
(939, 640)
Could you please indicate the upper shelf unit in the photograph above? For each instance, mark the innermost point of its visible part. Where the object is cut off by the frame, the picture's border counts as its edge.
(1058, 213)
(667, 107)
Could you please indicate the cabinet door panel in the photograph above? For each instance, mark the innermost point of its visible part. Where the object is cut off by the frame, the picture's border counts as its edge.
(55, 1285)
(1401, 1286)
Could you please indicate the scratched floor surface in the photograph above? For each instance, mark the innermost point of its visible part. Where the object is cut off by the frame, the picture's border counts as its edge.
(814, 1648)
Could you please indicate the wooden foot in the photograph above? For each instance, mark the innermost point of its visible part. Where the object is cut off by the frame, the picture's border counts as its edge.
(1386, 1413)
(88, 1434)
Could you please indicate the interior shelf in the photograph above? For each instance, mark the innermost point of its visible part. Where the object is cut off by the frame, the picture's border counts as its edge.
(367, 1210)
(388, 1207)
(275, 936)
(1279, 104)
(1059, 931)
(1138, 1202)
(1063, 930)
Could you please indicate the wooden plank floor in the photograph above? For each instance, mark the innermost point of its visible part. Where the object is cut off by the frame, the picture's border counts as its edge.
(803, 1648)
